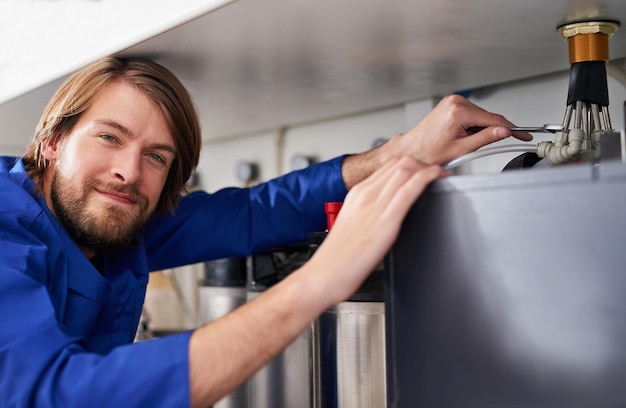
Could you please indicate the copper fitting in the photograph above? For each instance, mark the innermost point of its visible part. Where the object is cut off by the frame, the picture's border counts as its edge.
(588, 47)
(588, 41)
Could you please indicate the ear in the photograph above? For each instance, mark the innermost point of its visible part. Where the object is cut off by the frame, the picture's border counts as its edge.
(50, 148)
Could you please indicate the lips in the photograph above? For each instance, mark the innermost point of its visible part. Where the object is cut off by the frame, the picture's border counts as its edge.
(120, 197)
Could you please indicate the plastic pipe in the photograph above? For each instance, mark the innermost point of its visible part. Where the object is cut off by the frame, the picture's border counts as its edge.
(490, 151)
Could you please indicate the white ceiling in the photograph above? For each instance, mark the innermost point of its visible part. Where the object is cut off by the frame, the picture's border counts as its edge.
(42, 40)
(255, 65)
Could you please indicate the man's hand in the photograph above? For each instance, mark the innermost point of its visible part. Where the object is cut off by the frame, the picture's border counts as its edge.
(442, 135)
(439, 138)
(368, 224)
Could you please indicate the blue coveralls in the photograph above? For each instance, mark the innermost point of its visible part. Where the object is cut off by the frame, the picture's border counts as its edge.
(66, 332)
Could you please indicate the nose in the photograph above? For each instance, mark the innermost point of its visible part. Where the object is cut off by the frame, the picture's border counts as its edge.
(127, 167)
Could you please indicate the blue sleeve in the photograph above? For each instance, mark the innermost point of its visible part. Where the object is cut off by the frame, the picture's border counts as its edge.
(41, 365)
(239, 222)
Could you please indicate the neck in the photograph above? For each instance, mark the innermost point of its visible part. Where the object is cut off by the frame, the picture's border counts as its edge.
(89, 253)
(98, 262)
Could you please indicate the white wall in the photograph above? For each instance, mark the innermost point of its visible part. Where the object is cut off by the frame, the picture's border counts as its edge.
(273, 151)
(19, 118)
(346, 135)
(219, 159)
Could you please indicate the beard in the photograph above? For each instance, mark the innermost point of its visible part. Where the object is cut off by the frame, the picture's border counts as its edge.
(111, 228)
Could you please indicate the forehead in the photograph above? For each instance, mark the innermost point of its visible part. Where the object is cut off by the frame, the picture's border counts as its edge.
(126, 105)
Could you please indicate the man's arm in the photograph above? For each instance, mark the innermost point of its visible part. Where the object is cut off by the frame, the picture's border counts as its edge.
(439, 138)
(383, 183)
(224, 353)
(239, 222)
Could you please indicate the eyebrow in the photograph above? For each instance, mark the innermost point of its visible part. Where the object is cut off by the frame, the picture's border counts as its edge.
(123, 129)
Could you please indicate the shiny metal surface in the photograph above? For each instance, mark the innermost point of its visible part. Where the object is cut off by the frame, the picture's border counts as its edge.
(216, 302)
(284, 381)
(546, 128)
(348, 355)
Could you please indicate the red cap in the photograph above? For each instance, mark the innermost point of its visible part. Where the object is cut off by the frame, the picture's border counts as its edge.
(332, 209)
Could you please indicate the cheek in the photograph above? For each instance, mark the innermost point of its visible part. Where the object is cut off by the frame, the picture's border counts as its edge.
(155, 189)
(67, 167)
(74, 161)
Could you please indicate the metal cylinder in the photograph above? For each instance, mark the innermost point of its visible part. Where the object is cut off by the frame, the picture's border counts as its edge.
(588, 40)
(222, 290)
(348, 346)
(284, 381)
(215, 301)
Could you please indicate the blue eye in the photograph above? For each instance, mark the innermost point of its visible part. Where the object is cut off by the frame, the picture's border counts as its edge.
(108, 137)
(156, 158)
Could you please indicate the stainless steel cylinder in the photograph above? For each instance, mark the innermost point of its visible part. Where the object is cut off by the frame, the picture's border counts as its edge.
(284, 381)
(215, 302)
(221, 291)
(348, 356)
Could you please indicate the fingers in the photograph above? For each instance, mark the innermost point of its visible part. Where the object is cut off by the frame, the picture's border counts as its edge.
(463, 115)
(396, 174)
(394, 188)
(470, 115)
(409, 191)
(482, 138)
(369, 222)
(526, 137)
(487, 136)
(442, 135)
(382, 178)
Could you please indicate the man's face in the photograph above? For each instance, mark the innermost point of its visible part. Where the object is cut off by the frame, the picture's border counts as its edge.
(106, 176)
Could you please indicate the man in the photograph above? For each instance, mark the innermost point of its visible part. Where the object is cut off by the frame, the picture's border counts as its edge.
(95, 204)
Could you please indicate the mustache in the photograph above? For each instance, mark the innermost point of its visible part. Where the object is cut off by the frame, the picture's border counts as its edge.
(92, 183)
